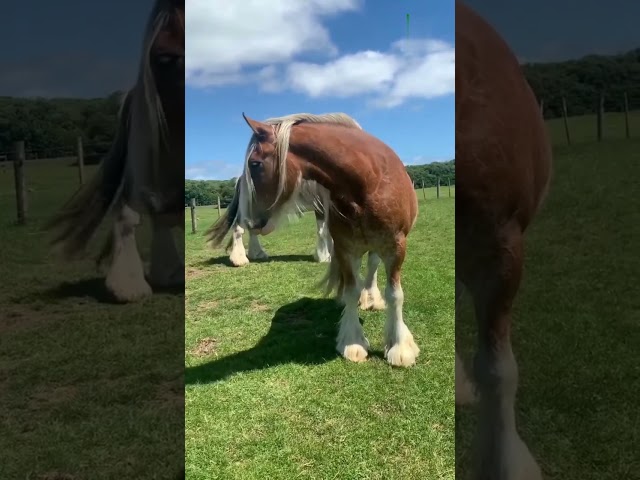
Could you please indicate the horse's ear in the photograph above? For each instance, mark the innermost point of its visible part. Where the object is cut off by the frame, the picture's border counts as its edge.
(262, 130)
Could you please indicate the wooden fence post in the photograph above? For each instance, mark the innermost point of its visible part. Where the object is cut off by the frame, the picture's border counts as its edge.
(626, 116)
(438, 188)
(219, 210)
(21, 190)
(80, 150)
(424, 192)
(600, 114)
(566, 121)
(194, 222)
(449, 181)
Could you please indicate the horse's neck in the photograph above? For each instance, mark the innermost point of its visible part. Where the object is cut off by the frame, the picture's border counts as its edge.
(316, 153)
(319, 160)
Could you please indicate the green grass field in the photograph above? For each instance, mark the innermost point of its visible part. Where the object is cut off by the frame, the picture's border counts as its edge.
(268, 397)
(576, 330)
(583, 129)
(87, 388)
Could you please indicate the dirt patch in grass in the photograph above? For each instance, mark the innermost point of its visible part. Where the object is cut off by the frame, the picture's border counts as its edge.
(212, 305)
(193, 273)
(56, 476)
(172, 392)
(17, 319)
(206, 347)
(256, 306)
(53, 395)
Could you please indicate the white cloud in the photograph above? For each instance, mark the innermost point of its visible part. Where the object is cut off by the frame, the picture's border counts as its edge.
(261, 43)
(212, 170)
(225, 37)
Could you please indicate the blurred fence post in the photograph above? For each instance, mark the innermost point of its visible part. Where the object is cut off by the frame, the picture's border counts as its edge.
(194, 225)
(424, 192)
(600, 114)
(626, 116)
(566, 121)
(80, 153)
(219, 210)
(21, 191)
(449, 181)
(438, 188)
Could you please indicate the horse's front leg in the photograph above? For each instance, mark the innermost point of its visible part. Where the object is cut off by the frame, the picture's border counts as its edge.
(238, 255)
(351, 342)
(167, 266)
(400, 348)
(465, 390)
(502, 455)
(125, 278)
(256, 252)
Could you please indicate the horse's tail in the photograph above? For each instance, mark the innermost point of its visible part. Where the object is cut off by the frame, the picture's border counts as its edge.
(77, 221)
(333, 281)
(219, 230)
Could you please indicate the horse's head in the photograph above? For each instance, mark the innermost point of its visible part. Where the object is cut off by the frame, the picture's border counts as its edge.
(166, 54)
(269, 179)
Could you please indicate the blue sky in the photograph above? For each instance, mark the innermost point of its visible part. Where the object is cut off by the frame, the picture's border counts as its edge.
(75, 48)
(80, 48)
(318, 56)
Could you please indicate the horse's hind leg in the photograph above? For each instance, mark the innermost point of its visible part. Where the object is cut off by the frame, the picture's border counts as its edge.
(125, 278)
(167, 267)
(501, 453)
(370, 298)
(351, 342)
(323, 244)
(238, 255)
(256, 252)
(400, 348)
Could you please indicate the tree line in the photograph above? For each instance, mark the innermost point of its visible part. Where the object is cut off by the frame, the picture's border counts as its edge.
(582, 81)
(50, 127)
(206, 192)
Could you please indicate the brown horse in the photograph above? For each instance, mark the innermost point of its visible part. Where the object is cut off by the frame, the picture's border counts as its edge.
(503, 160)
(311, 198)
(144, 170)
(371, 206)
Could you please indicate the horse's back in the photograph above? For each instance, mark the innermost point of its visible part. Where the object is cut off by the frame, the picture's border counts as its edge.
(502, 146)
(375, 179)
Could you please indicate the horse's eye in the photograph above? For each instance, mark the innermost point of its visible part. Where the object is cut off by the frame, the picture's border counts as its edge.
(168, 59)
(165, 59)
(255, 165)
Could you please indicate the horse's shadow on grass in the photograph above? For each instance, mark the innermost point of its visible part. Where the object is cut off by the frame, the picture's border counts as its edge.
(95, 289)
(275, 258)
(302, 332)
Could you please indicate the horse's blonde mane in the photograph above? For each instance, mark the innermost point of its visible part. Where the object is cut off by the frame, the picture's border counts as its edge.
(282, 128)
(149, 126)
